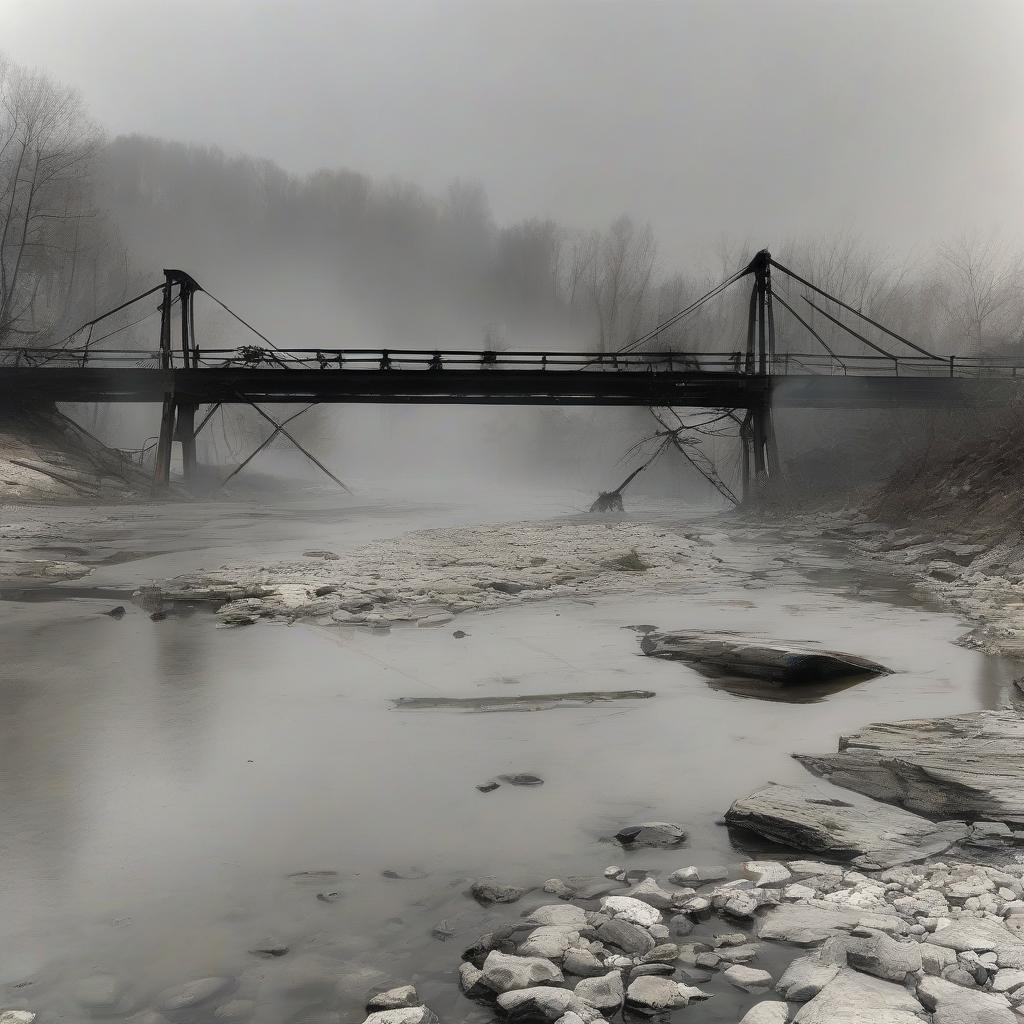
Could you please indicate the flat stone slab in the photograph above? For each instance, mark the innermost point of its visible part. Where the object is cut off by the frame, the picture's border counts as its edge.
(850, 827)
(777, 661)
(966, 765)
(853, 998)
(805, 925)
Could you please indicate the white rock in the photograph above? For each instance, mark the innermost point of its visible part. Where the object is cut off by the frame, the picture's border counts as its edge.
(655, 992)
(953, 1004)
(805, 977)
(750, 979)
(560, 915)
(403, 1015)
(635, 911)
(550, 942)
(973, 933)
(1007, 980)
(16, 1017)
(766, 872)
(648, 891)
(769, 1012)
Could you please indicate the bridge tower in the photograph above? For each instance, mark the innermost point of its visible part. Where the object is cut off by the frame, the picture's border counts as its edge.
(177, 420)
(757, 434)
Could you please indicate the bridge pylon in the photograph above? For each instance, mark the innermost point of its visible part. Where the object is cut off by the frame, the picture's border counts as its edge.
(757, 435)
(177, 419)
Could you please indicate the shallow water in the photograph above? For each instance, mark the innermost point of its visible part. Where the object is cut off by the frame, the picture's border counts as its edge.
(163, 780)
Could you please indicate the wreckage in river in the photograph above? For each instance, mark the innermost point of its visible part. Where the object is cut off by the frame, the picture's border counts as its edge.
(777, 661)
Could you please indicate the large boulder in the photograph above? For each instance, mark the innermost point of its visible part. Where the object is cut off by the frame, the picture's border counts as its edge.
(504, 973)
(976, 934)
(651, 992)
(810, 817)
(606, 992)
(953, 1004)
(544, 1004)
(805, 977)
(959, 766)
(626, 908)
(853, 998)
(625, 936)
(769, 1012)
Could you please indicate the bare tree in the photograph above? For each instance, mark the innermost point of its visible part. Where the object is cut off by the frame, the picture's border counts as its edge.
(618, 282)
(46, 147)
(983, 296)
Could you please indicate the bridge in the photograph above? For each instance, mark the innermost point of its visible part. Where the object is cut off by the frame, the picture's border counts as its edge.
(752, 379)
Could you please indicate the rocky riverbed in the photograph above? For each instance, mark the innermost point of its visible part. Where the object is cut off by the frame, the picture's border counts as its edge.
(889, 873)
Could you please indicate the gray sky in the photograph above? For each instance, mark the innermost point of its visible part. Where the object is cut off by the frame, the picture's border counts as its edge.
(897, 120)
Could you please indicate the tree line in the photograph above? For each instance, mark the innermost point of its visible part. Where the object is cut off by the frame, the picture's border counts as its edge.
(352, 261)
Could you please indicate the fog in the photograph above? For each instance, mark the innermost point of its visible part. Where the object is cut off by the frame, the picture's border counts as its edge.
(531, 175)
(710, 119)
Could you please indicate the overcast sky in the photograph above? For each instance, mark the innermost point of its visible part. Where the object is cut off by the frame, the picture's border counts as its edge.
(898, 120)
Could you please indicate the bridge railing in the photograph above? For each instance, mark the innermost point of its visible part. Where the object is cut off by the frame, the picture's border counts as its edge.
(439, 360)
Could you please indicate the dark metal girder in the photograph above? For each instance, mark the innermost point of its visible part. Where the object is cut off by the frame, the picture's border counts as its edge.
(496, 387)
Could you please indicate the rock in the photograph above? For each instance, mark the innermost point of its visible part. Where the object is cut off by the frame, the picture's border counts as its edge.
(810, 817)
(883, 956)
(471, 980)
(562, 915)
(403, 1015)
(270, 948)
(16, 1017)
(739, 954)
(648, 891)
(854, 998)
(542, 1003)
(489, 891)
(777, 662)
(655, 993)
(805, 977)
(680, 924)
(977, 934)
(117, 612)
(729, 939)
(652, 833)
(699, 875)
(235, 1009)
(642, 970)
(330, 556)
(666, 953)
(635, 911)
(952, 1004)
(582, 963)
(625, 936)
(766, 872)
(193, 993)
(1007, 980)
(522, 779)
(606, 992)
(551, 942)
(768, 1012)
(935, 959)
(965, 765)
(805, 925)
(750, 979)
(488, 787)
(504, 973)
(395, 998)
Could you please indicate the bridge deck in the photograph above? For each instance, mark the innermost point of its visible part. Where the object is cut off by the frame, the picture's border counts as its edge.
(485, 385)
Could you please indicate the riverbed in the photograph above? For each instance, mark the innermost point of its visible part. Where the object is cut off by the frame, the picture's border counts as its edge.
(177, 795)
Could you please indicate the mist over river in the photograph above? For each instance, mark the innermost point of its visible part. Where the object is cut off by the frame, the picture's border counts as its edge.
(176, 795)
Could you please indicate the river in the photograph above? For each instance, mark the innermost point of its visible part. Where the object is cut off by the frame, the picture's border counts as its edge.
(167, 783)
